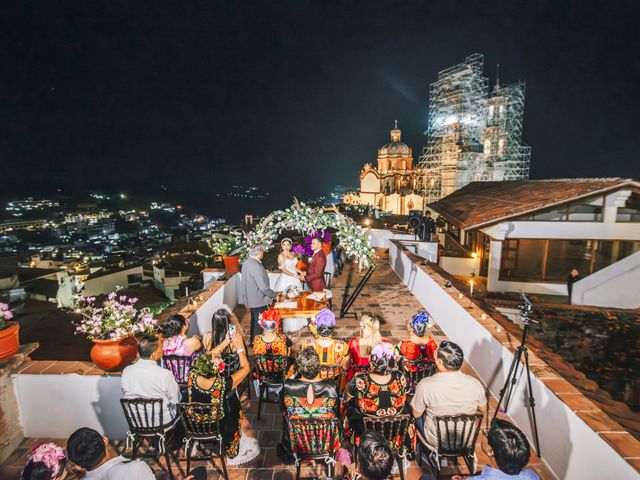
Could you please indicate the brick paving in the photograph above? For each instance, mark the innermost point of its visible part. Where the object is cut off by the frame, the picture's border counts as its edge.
(384, 296)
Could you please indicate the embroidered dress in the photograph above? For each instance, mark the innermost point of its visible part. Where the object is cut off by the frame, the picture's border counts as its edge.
(330, 356)
(412, 351)
(280, 346)
(227, 408)
(325, 404)
(368, 397)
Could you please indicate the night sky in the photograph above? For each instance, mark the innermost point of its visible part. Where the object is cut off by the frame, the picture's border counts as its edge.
(294, 96)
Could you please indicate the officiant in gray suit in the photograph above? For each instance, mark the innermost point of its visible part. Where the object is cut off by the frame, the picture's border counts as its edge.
(255, 292)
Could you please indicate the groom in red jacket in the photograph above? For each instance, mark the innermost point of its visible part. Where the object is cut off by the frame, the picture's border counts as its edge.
(314, 276)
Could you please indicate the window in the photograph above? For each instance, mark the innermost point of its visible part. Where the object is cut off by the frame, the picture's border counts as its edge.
(631, 210)
(522, 259)
(552, 260)
(586, 210)
(487, 148)
(555, 214)
(583, 210)
(563, 255)
(501, 146)
(490, 116)
(134, 278)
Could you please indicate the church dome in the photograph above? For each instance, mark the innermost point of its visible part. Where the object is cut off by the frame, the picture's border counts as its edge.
(395, 146)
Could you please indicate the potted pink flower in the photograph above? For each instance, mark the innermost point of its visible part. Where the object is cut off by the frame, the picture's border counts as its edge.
(9, 340)
(112, 326)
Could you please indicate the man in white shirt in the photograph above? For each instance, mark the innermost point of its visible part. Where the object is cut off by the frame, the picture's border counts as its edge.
(448, 392)
(88, 451)
(147, 379)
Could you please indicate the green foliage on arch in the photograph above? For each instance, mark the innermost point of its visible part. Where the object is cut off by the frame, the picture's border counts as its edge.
(306, 219)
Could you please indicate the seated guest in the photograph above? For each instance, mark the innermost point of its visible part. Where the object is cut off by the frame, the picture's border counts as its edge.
(147, 379)
(360, 347)
(208, 383)
(419, 345)
(46, 462)
(375, 458)
(309, 395)
(331, 351)
(271, 341)
(512, 452)
(448, 392)
(88, 450)
(381, 391)
(176, 341)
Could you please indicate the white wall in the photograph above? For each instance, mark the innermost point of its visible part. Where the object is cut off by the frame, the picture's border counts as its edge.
(617, 285)
(54, 406)
(108, 283)
(460, 265)
(570, 448)
(380, 238)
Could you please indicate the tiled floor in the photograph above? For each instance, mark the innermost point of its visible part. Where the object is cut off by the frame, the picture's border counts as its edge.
(384, 296)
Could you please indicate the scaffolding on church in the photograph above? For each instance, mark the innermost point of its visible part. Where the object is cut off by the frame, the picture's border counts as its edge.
(471, 136)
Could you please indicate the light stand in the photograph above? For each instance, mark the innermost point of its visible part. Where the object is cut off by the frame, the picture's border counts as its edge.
(512, 377)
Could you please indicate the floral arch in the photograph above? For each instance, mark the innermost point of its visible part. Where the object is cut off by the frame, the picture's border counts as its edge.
(306, 219)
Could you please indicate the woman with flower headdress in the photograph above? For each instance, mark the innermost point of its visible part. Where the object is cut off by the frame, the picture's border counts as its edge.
(332, 351)
(46, 462)
(419, 345)
(381, 391)
(208, 383)
(271, 341)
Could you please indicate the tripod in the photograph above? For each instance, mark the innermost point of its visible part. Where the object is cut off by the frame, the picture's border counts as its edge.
(512, 377)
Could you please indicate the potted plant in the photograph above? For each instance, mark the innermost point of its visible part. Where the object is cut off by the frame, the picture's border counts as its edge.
(227, 246)
(300, 253)
(112, 326)
(9, 341)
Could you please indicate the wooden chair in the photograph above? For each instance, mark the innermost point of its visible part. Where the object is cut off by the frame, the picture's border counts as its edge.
(143, 417)
(179, 366)
(271, 371)
(416, 370)
(200, 427)
(457, 435)
(314, 439)
(232, 365)
(394, 429)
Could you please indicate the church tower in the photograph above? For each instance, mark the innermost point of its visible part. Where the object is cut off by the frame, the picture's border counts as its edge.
(395, 155)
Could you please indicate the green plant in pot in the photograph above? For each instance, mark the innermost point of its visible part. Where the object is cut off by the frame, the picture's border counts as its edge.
(227, 247)
(9, 340)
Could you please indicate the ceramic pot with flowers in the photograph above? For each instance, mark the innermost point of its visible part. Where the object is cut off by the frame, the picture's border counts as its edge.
(9, 340)
(112, 326)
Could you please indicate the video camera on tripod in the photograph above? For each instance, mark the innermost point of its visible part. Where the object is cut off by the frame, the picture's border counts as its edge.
(526, 308)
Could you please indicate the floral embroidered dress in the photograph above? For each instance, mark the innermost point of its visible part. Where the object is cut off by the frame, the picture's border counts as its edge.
(295, 404)
(280, 346)
(367, 397)
(227, 408)
(331, 355)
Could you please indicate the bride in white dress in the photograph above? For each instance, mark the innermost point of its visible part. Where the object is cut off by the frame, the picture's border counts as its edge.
(289, 276)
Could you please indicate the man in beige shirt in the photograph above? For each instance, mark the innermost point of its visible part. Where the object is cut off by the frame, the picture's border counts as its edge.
(448, 392)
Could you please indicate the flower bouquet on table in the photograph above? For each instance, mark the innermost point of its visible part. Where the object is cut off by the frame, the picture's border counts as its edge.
(292, 291)
(9, 340)
(112, 326)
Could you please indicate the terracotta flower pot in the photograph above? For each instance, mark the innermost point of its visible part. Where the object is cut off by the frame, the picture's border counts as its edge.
(9, 341)
(326, 247)
(231, 264)
(114, 354)
(301, 265)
